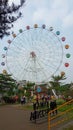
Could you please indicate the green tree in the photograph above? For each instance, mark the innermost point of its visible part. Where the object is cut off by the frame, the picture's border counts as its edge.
(7, 83)
(57, 82)
(7, 16)
(29, 87)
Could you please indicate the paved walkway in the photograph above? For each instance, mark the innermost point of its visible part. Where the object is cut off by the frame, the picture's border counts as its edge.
(13, 118)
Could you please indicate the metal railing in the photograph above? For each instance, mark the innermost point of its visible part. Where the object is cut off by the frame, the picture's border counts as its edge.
(61, 116)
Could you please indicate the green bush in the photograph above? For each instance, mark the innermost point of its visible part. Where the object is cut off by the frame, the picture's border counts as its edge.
(60, 101)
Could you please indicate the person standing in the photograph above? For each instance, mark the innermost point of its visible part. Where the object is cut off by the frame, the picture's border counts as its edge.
(53, 105)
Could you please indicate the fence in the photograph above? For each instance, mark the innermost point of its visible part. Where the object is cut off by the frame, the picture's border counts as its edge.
(64, 113)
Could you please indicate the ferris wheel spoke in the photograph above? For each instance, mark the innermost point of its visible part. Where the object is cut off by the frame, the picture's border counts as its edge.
(25, 66)
(20, 43)
(14, 64)
(14, 69)
(47, 61)
(17, 52)
(49, 54)
(47, 66)
(19, 47)
(23, 41)
(42, 68)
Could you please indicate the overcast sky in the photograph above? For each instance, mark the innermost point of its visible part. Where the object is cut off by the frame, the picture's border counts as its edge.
(55, 13)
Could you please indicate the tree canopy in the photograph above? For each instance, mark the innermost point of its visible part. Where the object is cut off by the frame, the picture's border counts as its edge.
(57, 80)
(6, 16)
(7, 83)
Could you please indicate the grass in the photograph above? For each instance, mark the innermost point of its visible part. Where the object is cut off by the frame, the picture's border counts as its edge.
(66, 107)
(60, 101)
(26, 106)
(29, 106)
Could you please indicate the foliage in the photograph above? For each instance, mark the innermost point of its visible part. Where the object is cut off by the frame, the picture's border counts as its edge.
(56, 82)
(20, 92)
(7, 83)
(60, 101)
(28, 94)
(29, 87)
(30, 84)
(6, 17)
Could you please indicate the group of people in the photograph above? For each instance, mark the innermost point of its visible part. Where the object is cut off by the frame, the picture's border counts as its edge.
(51, 104)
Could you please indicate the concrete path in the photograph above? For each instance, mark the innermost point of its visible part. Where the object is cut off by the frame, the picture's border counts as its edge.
(12, 118)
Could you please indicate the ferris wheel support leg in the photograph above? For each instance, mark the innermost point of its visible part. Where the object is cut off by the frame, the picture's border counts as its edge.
(54, 93)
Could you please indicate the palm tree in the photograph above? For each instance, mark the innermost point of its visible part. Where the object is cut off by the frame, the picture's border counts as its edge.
(56, 82)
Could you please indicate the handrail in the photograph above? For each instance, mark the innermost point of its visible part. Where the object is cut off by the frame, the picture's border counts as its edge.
(59, 114)
(62, 105)
(54, 124)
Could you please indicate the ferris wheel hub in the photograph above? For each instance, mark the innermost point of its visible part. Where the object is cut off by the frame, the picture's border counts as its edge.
(32, 54)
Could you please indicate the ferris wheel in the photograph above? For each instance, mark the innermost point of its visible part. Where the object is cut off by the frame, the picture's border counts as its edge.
(34, 54)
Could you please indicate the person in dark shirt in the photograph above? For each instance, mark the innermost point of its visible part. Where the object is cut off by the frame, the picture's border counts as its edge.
(53, 105)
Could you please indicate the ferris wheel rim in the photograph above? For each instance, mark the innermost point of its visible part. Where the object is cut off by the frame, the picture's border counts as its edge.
(54, 35)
